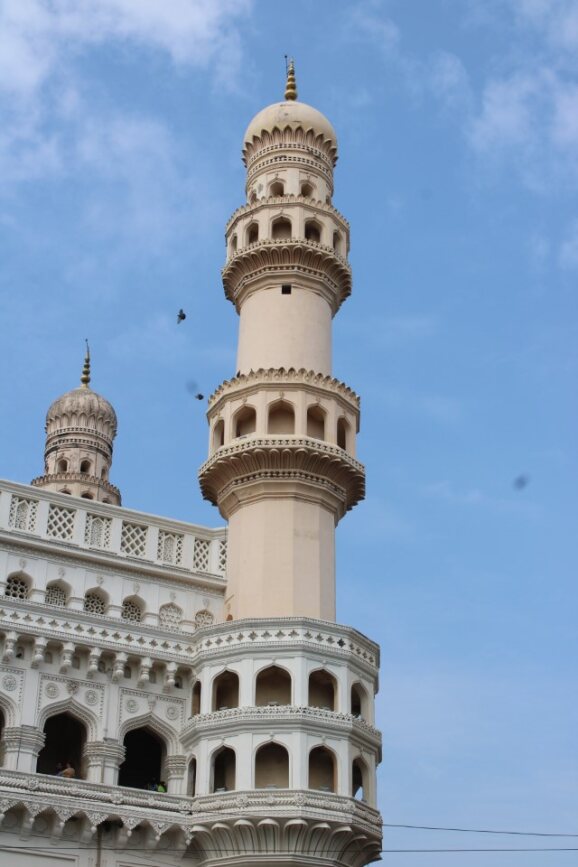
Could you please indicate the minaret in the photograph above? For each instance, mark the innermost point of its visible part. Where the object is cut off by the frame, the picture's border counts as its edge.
(80, 429)
(282, 466)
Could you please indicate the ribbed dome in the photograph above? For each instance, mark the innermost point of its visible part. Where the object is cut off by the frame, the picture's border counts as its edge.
(82, 407)
(293, 114)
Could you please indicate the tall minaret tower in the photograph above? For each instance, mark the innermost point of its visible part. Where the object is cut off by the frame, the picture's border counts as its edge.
(282, 465)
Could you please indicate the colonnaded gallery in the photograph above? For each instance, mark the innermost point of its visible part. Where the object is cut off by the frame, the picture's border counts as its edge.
(170, 692)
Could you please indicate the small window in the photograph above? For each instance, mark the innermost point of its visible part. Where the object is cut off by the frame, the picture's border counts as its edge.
(85, 466)
(307, 189)
(313, 231)
(62, 466)
(17, 587)
(94, 603)
(55, 595)
(281, 229)
(131, 611)
(234, 244)
(277, 189)
(253, 233)
(86, 496)
(286, 289)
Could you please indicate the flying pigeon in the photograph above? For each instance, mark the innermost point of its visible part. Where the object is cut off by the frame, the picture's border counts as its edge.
(181, 316)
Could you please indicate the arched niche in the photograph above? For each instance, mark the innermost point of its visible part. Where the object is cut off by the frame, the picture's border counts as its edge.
(18, 586)
(359, 779)
(95, 601)
(360, 702)
(196, 699)
(252, 233)
(281, 229)
(307, 189)
(85, 466)
(223, 770)
(322, 690)
(273, 687)
(192, 778)
(62, 465)
(281, 418)
(64, 742)
(344, 434)
(245, 421)
(226, 691)
(322, 770)
(218, 435)
(272, 767)
(277, 188)
(57, 593)
(313, 231)
(316, 422)
(145, 753)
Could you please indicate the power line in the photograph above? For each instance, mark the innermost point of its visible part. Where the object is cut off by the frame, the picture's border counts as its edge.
(478, 830)
(226, 851)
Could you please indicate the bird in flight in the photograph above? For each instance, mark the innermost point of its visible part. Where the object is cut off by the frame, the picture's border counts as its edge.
(181, 316)
(521, 482)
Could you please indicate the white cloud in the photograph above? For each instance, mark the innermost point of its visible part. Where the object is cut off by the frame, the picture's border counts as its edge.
(39, 37)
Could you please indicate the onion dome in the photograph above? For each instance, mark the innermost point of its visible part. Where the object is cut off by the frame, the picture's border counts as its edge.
(293, 115)
(82, 408)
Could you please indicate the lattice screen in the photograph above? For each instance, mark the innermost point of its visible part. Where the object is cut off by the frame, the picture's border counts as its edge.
(55, 595)
(94, 603)
(170, 547)
(60, 522)
(223, 556)
(170, 616)
(23, 514)
(97, 532)
(131, 611)
(201, 555)
(134, 539)
(204, 618)
(17, 587)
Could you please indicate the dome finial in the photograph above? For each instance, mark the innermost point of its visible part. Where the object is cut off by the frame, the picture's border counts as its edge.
(291, 84)
(85, 378)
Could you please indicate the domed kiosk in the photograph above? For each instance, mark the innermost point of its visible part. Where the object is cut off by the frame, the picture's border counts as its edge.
(80, 429)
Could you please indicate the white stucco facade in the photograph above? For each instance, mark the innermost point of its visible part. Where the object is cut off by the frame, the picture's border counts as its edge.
(140, 654)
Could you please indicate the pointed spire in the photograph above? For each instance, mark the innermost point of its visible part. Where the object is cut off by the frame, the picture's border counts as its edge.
(291, 84)
(85, 378)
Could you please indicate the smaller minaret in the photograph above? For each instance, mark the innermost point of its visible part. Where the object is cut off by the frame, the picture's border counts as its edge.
(80, 429)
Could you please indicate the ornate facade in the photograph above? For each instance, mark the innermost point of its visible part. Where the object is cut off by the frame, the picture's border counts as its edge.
(170, 692)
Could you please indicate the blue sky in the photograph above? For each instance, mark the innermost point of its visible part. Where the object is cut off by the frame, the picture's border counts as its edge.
(122, 123)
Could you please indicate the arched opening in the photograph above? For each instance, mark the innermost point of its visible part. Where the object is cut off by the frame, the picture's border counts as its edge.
(245, 422)
(313, 231)
(143, 760)
(343, 433)
(132, 610)
(65, 491)
(94, 602)
(226, 691)
(316, 423)
(234, 244)
(223, 770)
(281, 419)
(56, 595)
(272, 767)
(218, 435)
(87, 496)
(338, 243)
(322, 690)
(322, 769)
(196, 699)
(65, 737)
(62, 466)
(103, 474)
(359, 702)
(85, 466)
(252, 197)
(253, 233)
(192, 778)
(359, 780)
(281, 229)
(273, 687)
(17, 586)
(277, 188)
(306, 189)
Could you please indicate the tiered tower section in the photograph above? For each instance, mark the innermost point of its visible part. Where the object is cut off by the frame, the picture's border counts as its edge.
(282, 465)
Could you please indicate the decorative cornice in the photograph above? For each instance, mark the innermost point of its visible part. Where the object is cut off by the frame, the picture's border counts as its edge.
(288, 139)
(280, 376)
(283, 458)
(53, 478)
(267, 257)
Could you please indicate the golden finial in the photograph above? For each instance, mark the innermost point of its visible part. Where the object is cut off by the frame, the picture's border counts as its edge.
(85, 378)
(291, 85)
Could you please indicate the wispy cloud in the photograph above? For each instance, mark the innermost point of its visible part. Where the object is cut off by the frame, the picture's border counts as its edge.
(445, 491)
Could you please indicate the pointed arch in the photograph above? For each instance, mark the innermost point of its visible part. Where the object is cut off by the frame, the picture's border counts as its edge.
(156, 725)
(72, 707)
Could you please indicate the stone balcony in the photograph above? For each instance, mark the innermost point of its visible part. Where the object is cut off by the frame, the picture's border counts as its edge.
(237, 825)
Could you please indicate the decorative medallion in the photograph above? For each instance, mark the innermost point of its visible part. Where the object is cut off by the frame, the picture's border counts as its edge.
(72, 686)
(32, 784)
(91, 697)
(52, 690)
(300, 800)
(9, 682)
(131, 705)
(99, 579)
(172, 712)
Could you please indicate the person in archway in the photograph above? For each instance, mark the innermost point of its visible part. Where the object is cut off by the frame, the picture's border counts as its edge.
(68, 771)
(162, 787)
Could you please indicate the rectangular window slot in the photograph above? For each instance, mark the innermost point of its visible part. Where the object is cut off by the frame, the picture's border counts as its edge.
(286, 289)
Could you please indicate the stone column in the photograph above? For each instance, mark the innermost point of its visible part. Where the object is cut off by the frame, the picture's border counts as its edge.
(175, 767)
(103, 759)
(21, 747)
